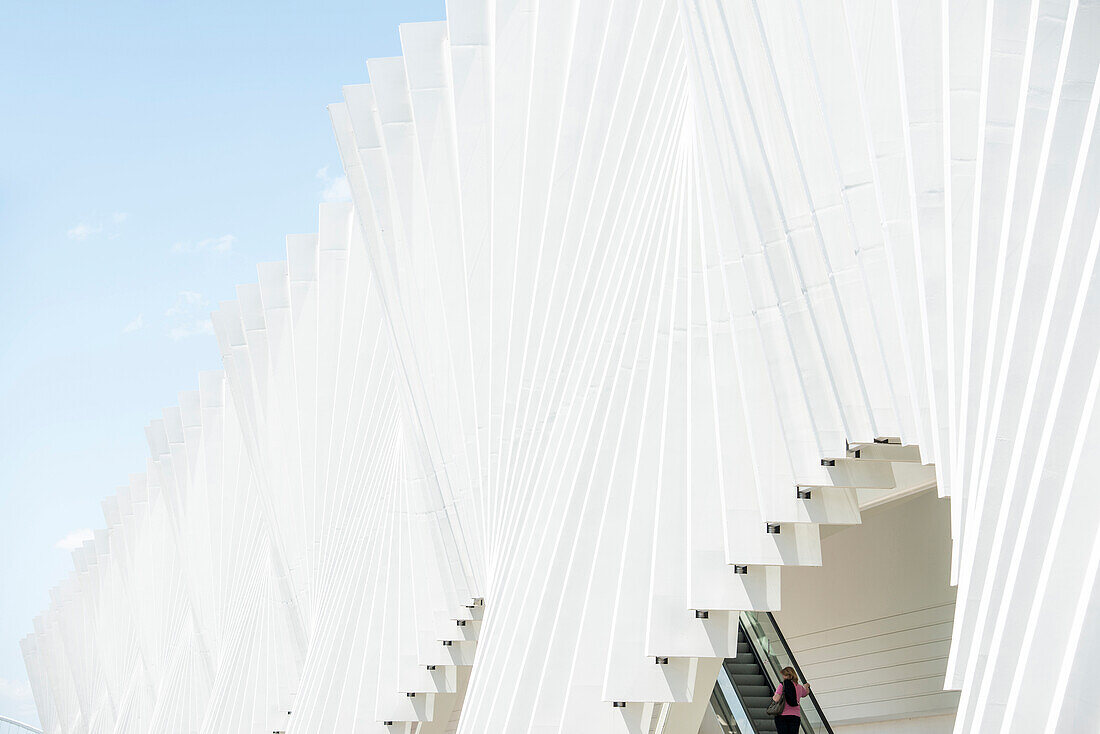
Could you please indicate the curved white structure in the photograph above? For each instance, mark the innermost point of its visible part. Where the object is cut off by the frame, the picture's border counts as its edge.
(12, 726)
(631, 299)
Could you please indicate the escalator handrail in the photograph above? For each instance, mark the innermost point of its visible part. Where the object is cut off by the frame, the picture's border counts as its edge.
(798, 670)
(740, 702)
(740, 698)
(748, 624)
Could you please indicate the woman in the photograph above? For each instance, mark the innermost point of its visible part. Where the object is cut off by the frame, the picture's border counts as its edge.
(790, 691)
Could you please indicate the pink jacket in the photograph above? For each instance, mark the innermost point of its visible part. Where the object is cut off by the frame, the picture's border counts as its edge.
(799, 692)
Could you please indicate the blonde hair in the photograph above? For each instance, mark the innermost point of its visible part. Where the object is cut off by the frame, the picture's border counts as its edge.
(789, 673)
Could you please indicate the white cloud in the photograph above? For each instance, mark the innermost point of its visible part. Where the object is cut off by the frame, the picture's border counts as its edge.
(335, 187)
(97, 226)
(17, 700)
(83, 231)
(211, 244)
(192, 328)
(186, 302)
(75, 539)
(134, 325)
(188, 315)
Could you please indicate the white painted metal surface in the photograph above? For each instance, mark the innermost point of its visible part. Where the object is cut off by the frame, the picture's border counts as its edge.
(618, 279)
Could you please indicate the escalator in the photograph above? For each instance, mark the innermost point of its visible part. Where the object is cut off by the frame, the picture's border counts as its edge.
(746, 682)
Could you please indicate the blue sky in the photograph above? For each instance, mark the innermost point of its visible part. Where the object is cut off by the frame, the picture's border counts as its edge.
(150, 155)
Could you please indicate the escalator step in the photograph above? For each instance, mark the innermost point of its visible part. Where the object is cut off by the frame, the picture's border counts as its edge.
(754, 679)
(756, 692)
(743, 668)
(767, 724)
(743, 648)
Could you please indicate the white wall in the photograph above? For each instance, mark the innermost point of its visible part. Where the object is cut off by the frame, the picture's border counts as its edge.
(923, 725)
(871, 628)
